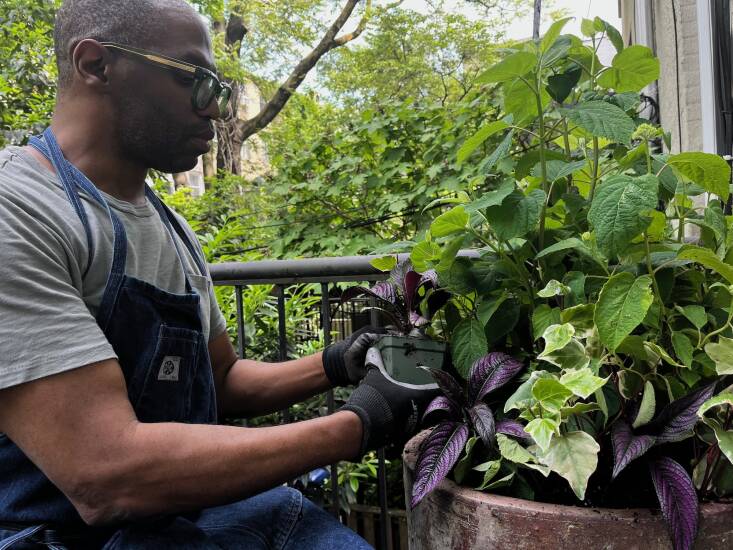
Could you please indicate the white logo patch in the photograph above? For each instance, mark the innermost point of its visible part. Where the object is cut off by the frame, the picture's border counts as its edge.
(169, 368)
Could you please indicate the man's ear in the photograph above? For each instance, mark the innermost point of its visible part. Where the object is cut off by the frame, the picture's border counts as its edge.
(91, 63)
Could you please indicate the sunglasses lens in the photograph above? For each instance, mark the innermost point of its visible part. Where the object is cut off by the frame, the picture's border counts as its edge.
(205, 93)
(223, 99)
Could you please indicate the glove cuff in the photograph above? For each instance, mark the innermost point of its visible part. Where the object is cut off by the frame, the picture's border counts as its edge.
(334, 365)
(375, 414)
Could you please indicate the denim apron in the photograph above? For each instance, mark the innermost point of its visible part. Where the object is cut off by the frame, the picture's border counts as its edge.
(164, 357)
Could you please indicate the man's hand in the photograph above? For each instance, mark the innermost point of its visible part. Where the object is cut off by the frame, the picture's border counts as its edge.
(344, 360)
(389, 413)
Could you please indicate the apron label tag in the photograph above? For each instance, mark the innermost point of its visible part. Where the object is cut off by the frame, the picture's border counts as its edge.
(169, 368)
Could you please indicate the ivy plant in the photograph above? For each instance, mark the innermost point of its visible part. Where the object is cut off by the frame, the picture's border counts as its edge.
(603, 266)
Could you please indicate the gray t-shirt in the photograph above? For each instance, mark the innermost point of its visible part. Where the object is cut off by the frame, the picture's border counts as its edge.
(47, 304)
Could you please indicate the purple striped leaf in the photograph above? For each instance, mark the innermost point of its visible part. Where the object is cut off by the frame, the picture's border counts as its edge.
(676, 420)
(483, 422)
(383, 291)
(627, 446)
(447, 384)
(442, 405)
(409, 288)
(438, 454)
(678, 500)
(417, 320)
(491, 372)
(512, 428)
(429, 279)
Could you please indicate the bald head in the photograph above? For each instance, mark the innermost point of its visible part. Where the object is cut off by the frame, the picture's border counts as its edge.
(133, 22)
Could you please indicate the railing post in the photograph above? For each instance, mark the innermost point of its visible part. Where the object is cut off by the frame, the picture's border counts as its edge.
(283, 336)
(384, 522)
(330, 403)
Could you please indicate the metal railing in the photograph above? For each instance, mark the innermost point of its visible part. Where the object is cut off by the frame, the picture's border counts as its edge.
(326, 272)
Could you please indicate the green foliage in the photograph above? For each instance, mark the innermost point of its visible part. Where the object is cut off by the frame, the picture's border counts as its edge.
(582, 265)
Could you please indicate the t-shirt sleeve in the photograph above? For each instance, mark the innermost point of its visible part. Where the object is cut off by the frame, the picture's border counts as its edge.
(45, 326)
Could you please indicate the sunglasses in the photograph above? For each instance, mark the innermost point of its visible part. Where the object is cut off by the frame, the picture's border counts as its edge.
(207, 86)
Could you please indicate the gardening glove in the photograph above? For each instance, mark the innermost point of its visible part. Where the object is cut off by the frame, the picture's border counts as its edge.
(389, 413)
(344, 360)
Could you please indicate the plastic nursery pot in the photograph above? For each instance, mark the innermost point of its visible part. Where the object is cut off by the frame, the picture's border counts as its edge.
(453, 517)
(401, 356)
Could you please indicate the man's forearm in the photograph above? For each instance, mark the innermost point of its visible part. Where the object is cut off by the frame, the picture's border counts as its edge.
(252, 388)
(170, 468)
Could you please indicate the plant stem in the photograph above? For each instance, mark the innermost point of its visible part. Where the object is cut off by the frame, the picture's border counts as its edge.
(650, 268)
(594, 179)
(543, 166)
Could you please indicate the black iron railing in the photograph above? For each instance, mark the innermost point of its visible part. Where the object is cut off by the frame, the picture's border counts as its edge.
(326, 272)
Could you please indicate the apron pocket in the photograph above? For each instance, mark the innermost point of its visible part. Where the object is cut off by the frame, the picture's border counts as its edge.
(166, 391)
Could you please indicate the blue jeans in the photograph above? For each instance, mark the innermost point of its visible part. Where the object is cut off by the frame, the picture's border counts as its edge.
(279, 519)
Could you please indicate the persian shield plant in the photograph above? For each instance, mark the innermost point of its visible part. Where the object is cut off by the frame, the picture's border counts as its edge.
(603, 273)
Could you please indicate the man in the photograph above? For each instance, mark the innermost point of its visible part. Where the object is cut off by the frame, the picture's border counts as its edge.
(114, 360)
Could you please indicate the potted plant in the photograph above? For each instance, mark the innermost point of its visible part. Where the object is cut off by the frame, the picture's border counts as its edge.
(408, 300)
(594, 329)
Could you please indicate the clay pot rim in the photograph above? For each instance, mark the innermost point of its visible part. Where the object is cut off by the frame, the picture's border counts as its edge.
(563, 511)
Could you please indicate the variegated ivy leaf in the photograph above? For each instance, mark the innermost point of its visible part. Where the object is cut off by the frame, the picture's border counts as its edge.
(724, 437)
(523, 396)
(556, 337)
(513, 451)
(551, 394)
(573, 456)
(542, 430)
(554, 288)
(582, 382)
(572, 356)
(722, 353)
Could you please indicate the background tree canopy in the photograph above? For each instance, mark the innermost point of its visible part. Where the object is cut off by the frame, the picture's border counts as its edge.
(356, 153)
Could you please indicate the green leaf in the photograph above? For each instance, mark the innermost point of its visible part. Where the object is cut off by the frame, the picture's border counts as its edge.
(553, 33)
(622, 306)
(723, 398)
(631, 70)
(647, 407)
(708, 171)
(572, 243)
(520, 100)
(581, 317)
(556, 337)
(582, 382)
(512, 66)
(424, 252)
(467, 345)
(452, 221)
(707, 258)
(602, 119)
(385, 263)
(588, 28)
(500, 151)
(557, 169)
(461, 469)
(478, 138)
(611, 32)
(683, 348)
(656, 352)
(579, 408)
(523, 396)
(551, 394)
(513, 451)
(573, 456)
(490, 470)
(488, 307)
(542, 430)
(517, 215)
(722, 353)
(542, 317)
(616, 212)
(560, 86)
(450, 251)
(554, 288)
(695, 314)
(572, 356)
(492, 198)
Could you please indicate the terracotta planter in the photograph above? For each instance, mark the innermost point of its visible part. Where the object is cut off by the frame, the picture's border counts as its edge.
(453, 517)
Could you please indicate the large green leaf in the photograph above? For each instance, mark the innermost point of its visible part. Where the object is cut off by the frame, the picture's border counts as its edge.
(452, 221)
(602, 119)
(478, 138)
(557, 169)
(573, 243)
(424, 252)
(512, 66)
(708, 171)
(553, 33)
(467, 345)
(520, 100)
(573, 456)
(517, 215)
(647, 407)
(492, 198)
(621, 307)
(707, 258)
(722, 353)
(683, 348)
(616, 212)
(631, 70)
